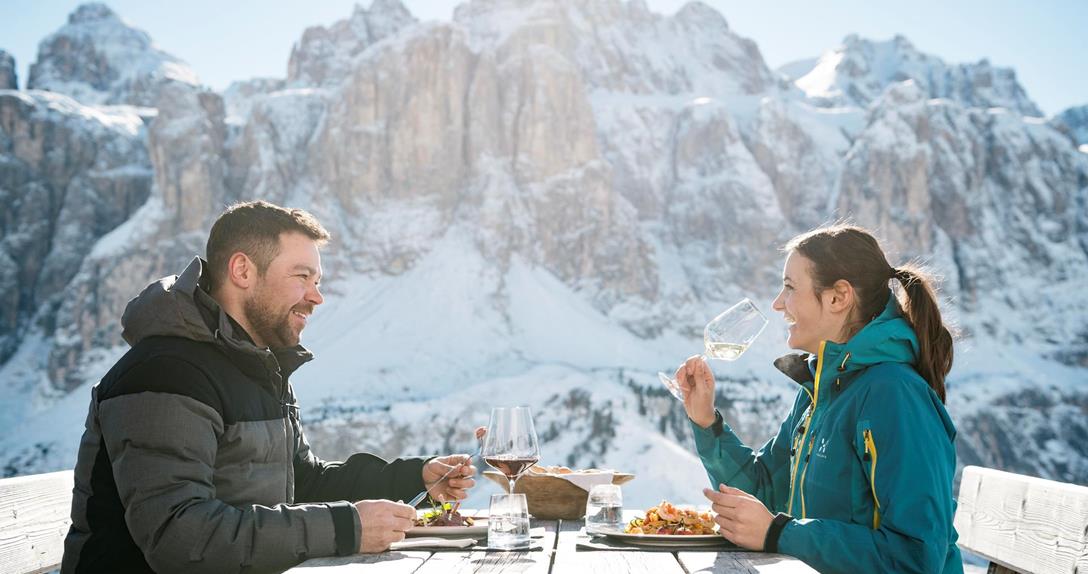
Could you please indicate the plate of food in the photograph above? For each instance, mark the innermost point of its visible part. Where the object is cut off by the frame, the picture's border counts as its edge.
(445, 521)
(669, 525)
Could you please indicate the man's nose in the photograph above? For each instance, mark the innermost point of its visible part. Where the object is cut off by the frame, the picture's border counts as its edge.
(314, 296)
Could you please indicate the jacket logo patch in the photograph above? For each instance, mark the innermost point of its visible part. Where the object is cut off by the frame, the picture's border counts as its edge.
(821, 450)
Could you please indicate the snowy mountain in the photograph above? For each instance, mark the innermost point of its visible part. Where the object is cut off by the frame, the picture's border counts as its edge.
(859, 70)
(324, 55)
(541, 202)
(98, 59)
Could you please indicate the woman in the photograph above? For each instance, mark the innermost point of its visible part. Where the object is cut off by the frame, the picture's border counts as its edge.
(860, 472)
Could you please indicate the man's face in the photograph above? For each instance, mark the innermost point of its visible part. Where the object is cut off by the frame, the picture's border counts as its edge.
(284, 298)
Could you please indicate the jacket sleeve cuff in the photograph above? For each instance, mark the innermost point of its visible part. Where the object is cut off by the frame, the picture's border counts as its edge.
(774, 532)
(346, 524)
(706, 439)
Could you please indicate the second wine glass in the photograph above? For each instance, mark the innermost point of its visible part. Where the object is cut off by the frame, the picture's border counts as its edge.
(511, 446)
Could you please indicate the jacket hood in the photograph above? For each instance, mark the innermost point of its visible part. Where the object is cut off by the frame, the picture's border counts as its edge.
(180, 306)
(888, 338)
(175, 306)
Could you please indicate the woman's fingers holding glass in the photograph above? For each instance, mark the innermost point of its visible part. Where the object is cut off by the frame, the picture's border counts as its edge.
(692, 362)
(703, 377)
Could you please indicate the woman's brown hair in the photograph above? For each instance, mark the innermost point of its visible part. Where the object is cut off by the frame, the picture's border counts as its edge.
(851, 253)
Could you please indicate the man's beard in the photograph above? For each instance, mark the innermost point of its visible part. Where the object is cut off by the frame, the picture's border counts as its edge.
(269, 324)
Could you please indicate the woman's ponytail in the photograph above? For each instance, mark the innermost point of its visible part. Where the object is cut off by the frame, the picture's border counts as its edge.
(934, 338)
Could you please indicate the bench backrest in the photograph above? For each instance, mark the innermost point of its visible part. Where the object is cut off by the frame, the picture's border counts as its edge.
(35, 512)
(1023, 523)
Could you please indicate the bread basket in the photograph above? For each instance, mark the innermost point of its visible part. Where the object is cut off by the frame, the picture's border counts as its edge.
(549, 496)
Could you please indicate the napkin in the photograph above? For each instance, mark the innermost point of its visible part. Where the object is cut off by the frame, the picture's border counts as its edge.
(432, 542)
(587, 480)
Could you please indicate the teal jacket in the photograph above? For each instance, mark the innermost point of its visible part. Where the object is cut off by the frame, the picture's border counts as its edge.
(864, 462)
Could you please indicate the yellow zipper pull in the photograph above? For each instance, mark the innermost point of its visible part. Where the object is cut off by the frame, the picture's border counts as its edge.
(871, 456)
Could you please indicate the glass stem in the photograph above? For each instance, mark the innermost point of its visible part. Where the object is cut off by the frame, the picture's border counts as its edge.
(512, 481)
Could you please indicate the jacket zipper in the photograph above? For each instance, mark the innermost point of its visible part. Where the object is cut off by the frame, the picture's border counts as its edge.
(287, 442)
(814, 396)
(870, 456)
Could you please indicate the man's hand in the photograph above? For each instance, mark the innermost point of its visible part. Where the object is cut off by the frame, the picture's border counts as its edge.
(697, 384)
(455, 485)
(384, 522)
(741, 517)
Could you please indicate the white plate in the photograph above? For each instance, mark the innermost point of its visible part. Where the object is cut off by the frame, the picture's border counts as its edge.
(668, 539)
(478, 529)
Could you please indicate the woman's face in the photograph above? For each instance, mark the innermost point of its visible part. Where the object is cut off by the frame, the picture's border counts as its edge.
(810, 320)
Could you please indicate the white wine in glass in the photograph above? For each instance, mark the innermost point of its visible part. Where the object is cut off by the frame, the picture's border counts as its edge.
(726, 337)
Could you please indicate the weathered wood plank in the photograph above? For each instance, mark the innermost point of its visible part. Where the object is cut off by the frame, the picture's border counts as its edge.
(35, 513)
(569, 560)
(535, 562)
(742, 562)
(384, 563)
(1024, 523)
(488, 562)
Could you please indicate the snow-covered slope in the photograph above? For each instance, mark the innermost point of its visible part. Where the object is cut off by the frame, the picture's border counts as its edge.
(541, 202)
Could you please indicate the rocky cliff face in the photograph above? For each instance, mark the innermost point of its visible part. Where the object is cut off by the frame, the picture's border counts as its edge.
(68, 175)
(1073, 123)
(324, 56)
(546, 191)
(8, 79)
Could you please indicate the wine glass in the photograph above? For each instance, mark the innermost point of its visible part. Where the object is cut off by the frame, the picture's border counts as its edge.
(510, 445)
(726, 337)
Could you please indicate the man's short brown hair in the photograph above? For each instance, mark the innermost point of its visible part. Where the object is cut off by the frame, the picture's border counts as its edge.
(254, 228)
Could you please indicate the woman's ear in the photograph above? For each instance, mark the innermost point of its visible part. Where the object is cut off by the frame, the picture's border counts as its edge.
(841, 296)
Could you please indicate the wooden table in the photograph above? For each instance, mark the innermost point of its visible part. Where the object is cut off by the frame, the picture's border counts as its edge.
(559, 556)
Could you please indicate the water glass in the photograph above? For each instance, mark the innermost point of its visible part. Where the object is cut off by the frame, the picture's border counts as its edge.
(604, 509)
(508, 522)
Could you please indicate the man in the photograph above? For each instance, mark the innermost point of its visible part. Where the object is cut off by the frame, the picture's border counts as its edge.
(194, 458)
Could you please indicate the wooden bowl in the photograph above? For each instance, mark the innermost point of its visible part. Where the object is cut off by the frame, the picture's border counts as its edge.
(550, 497)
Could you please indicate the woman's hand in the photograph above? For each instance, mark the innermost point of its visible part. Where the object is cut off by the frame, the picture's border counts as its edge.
(742, 518)
(697, 384)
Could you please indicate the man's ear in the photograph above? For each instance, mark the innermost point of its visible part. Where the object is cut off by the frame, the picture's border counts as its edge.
(241, 271)
(840, 297)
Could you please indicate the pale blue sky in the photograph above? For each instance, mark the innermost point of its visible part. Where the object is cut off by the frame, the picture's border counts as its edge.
(226, 40)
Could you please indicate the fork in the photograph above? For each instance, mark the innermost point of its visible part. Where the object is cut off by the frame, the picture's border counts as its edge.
(419, 497)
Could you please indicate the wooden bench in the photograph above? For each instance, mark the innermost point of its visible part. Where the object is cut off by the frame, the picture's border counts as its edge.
(1023, 524)
(35, 512)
